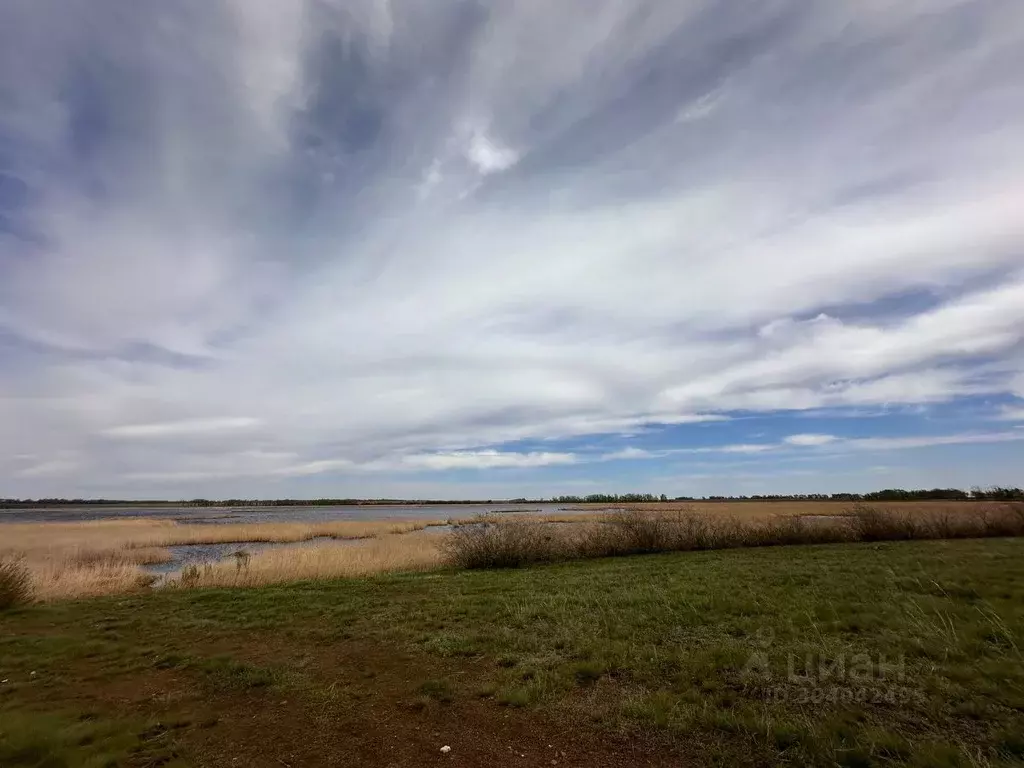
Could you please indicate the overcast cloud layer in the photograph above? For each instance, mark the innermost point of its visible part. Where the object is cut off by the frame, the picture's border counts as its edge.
(303, 248)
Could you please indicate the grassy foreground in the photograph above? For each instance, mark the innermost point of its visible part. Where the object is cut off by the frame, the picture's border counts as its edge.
(849, 654)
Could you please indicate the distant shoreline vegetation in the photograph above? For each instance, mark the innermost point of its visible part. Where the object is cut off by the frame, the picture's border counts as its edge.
(28, 503)
(888, 494)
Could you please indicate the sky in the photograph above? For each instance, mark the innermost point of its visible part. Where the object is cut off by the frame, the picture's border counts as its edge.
(453, 249)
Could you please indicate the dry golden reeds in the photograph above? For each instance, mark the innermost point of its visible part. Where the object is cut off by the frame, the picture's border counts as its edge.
(78, 559)
(389, 553)
(510, 543)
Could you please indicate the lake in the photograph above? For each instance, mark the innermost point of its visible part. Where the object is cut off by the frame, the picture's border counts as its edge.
(222, 515)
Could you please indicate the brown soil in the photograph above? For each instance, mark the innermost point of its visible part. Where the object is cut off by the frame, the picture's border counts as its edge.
(351, 703)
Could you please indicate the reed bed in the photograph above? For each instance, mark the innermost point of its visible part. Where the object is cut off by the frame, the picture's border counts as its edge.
(79, 559)
(107, 535)
(281, 532)
(63, 580)
(493, 543)
(764, 510)
(385, 554)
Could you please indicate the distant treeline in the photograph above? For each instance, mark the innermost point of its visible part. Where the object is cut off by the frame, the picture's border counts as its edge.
(615, 498)
(889, 494)
(897, 494)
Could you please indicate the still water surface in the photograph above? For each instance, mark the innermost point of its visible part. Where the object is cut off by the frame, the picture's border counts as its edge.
(269, 514)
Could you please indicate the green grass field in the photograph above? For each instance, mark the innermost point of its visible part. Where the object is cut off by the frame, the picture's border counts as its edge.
(852, 655)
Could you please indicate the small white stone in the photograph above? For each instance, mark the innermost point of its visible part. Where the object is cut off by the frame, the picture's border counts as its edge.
(445, 749)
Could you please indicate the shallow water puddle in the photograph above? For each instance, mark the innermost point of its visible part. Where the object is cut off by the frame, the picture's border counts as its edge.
(185, 555)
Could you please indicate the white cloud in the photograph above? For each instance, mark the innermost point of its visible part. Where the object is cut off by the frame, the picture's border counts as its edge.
(834, 443)
(1011, 413)
(390, 233)
(432, 176)
(968, 438)
(631, 452)
(746, 448)
(488, 459)
(314, 467)
(488, 155)
(181, 428)
(701, 107)
(55, 467)
(810, 439)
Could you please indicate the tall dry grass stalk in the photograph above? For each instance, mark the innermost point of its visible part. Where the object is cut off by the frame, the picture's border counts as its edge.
(15, 584)
(62, 580)
(389, 553)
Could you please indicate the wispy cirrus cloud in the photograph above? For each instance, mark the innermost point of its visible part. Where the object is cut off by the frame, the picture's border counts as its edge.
(252, 246)
(51, 468)
(835, 443)
(487, 459)
(1010, 413)
(809, 439)
(817, 442)
(970, 438)
(185, 427)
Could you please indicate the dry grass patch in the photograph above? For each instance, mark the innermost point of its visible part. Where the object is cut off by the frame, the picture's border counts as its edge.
(386, 554)
(81, 559)
(763, 510)
(15, 587)
(272, 532)
(60, 580)
(85, 558)
(113, 535)
(510, 543)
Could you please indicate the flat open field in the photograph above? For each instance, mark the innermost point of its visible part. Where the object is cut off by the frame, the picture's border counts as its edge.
(904, 653)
